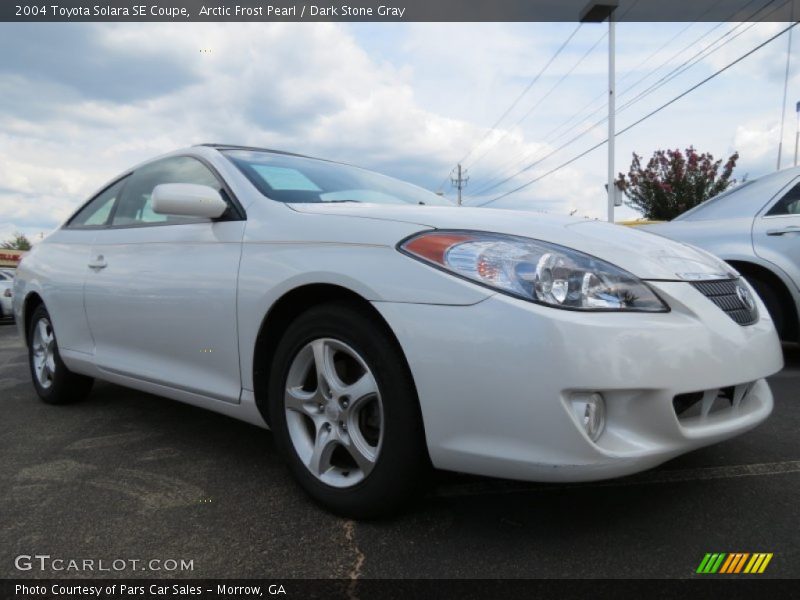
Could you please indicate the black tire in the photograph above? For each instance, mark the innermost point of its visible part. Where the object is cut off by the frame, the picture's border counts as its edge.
(402, 462)
(772, 301)
(65, 386)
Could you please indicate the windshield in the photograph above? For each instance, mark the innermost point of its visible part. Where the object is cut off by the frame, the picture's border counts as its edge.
(295, 179)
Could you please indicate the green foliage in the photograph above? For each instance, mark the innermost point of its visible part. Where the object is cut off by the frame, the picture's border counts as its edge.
(18, 242)
(673, 182)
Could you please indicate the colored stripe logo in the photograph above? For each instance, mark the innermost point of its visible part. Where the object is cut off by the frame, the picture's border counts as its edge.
(732, 563)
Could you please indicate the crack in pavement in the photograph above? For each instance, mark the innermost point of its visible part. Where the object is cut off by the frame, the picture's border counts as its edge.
(358, 564)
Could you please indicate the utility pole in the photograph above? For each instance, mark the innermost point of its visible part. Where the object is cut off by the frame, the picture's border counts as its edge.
(460, 180)
(612, 112)
(785, 88)
(797, 132)
(597, 12)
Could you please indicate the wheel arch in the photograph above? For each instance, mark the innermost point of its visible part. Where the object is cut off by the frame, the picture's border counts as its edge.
(787, 301)
(285, 310)
(31, 302)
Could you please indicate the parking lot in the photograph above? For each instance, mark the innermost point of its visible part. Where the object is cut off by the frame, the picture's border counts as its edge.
(133, 476)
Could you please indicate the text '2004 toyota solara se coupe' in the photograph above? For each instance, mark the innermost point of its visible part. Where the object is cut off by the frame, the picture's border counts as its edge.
(377, 329)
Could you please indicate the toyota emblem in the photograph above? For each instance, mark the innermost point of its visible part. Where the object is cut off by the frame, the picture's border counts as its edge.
(745, 297)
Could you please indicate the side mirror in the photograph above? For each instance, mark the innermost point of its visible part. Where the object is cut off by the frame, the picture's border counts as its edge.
(188, 200)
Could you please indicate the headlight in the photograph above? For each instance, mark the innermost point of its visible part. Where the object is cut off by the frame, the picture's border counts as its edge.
(538, 271)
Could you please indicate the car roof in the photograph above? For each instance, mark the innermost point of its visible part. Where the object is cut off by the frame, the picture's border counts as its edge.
(762, 189)
(221, 147)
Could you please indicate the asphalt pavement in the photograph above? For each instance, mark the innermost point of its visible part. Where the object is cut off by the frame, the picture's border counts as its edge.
(126, 475)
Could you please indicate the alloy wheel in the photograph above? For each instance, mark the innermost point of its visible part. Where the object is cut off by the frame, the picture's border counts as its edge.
(44, 348)
(334, 412)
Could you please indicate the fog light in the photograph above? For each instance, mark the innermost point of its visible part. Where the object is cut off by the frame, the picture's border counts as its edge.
(590, 412)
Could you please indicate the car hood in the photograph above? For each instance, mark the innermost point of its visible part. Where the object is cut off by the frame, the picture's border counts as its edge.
(645, 255)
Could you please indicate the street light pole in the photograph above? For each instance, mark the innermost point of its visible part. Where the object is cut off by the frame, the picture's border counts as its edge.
(612, 109)
(597, 12)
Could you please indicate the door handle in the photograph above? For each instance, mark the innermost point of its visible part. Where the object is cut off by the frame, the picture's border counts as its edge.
(789, 229)
(98, 263)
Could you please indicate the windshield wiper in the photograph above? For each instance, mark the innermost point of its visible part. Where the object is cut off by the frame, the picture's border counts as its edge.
(339, 201)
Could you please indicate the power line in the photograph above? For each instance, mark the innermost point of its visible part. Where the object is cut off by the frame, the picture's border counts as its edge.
(553, 88)
(674, 73)
(548, 136)
(655, 53)
(542, 99)
(525, 91)
(518, 98)
(498, 181)
(698, 56)
(680, 69)
(644, 118)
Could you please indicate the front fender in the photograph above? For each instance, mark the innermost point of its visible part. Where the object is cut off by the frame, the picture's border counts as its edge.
(377, 273)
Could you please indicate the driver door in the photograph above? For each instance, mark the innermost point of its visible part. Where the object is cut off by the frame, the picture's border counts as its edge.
(160, 291)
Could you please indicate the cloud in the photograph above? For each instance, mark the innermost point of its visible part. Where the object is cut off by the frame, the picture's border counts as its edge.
(760, 137)
(79, 103)
(302, 87)
(91, 60)
(569, 190)
(308, 88)
(768, 63)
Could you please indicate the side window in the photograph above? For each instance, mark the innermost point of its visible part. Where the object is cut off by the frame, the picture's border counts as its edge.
(135, 206)
(97, 212)
(788, 205)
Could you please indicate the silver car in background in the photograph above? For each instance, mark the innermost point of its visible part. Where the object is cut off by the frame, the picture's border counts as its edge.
(755, 227)
(6, 293)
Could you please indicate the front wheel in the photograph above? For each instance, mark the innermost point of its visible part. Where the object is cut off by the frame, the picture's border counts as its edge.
(344, 412)
(54, 383)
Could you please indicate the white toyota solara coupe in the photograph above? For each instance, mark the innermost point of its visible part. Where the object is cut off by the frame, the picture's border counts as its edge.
(376, 329)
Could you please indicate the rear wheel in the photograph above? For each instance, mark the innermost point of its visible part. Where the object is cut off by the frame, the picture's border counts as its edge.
(54, 383)
(345, 414)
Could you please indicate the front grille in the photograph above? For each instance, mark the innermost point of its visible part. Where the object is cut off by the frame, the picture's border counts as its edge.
(732, 297)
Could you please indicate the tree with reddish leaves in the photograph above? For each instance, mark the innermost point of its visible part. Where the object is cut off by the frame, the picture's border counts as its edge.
(674, 181)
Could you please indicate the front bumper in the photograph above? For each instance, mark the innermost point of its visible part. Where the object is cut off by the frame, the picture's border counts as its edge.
(494, 381)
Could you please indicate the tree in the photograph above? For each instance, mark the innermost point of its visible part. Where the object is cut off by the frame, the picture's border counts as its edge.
(673, 182)
(18, 242)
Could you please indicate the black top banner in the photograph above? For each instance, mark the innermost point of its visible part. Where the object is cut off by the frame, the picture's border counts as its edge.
(399, 10)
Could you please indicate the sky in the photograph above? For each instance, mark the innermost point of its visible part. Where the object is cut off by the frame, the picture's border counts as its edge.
(79, 103)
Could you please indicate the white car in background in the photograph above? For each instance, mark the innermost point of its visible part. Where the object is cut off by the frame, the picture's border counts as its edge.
(377, 329)
(755, 227)
(6, 293)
